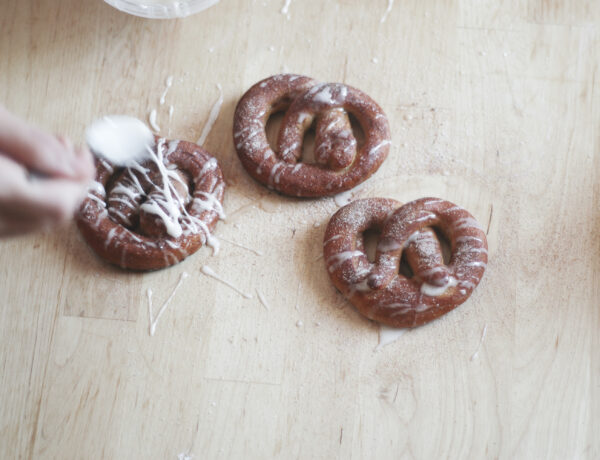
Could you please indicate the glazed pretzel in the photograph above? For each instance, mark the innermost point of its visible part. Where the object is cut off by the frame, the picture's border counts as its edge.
(155, 214)
(340, 163)
(377, 289)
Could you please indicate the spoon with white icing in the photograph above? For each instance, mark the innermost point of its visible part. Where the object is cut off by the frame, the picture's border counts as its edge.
(120, 139)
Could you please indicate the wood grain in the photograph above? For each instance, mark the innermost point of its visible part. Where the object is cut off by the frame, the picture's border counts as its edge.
(492, 105)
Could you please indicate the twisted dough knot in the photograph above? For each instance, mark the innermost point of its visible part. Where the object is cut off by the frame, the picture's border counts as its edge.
(377, 289)
(154, 214)
(340, 164)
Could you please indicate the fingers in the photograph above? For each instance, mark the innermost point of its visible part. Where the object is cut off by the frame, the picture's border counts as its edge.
(27, 205)
(42, 152)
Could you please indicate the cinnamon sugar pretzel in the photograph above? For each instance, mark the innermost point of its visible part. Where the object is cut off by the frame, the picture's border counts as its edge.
(340, 163)
(154, 214)
(377, 289)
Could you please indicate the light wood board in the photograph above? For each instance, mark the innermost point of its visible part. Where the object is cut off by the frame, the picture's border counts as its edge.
(493, 105)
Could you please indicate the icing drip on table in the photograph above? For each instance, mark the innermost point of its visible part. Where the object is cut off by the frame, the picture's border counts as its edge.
(285, 10)
(262, 299)
(255, 251)
(387, 11)
(212, 117)
(388, 335)
(483, 333)
(344, 198)
(210, 272)
(168, 84)
(154, 320)
(152, 121)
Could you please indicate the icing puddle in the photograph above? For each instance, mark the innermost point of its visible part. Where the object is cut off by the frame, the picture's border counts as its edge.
(388, 335)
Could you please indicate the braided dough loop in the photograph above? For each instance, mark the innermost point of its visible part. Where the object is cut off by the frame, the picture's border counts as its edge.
(377, 289)
(135, 219)
(340, 164)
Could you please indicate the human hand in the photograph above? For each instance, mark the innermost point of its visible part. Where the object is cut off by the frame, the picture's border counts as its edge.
(43, 178)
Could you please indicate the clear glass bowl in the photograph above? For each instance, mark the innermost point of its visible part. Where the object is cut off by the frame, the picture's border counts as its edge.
(161, 9)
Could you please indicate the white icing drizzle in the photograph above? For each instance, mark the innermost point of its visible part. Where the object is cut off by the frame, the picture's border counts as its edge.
(387, 11)
(476, 264)
(388, 335)
(121, 216)
(99, 201)
(165, 201)
(303, 116)
(337, 260)
(153, 320)
(168, 84)
(286, 8)
(210, 272)
(344, 198)
(127, 203)
(466, 222)
(361, 286)
(333, 238)
(97, 187)
(209, 202)
(483, 333)
(107, 165)
(110, 236)
(416, 236)
(262, 299)
(464, 239)
(433, 270)
(469, 249)
(386, 246)
(375, 149)
(427, 216)
(274, 169)
(152, 120)
(173, 205)
(171, 110)
(212, 117)
(434, 291)
(258, 253)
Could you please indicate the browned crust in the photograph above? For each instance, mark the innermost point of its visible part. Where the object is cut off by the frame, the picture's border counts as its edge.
(304, 99)
(132, 250)
(377, 289)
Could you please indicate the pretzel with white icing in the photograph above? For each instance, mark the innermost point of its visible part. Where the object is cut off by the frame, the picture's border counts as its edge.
(377, 289)
(340, 163)
(154, 214)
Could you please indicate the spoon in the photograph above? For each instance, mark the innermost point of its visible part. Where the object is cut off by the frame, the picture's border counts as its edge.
(120, 139)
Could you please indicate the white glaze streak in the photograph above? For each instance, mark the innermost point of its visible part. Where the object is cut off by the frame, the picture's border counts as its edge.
(255, 251)
(212, 117)
(263, 301)
(387, 11)
(210, 272)
(484, 332)
(152, 120)
(154, 321)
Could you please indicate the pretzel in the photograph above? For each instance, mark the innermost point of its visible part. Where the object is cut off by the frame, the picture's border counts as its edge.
(155, 214)
(340, 163)
(377, 289)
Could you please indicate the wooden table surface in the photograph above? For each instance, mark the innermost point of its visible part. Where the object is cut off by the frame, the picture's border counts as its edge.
(495, 108)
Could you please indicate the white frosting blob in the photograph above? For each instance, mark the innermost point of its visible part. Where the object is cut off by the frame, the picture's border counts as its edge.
(120, 139)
